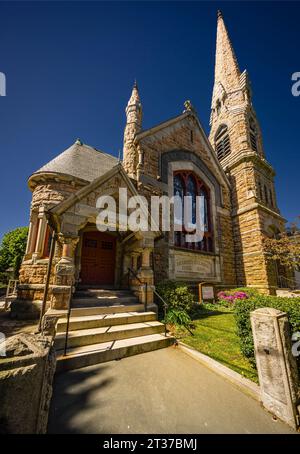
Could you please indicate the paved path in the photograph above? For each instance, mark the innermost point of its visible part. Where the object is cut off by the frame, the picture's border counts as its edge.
(164, 391)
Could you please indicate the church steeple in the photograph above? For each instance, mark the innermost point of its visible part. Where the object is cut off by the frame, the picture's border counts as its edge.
(236, 138)
(234, 126)
(227, 70)
(133, 126)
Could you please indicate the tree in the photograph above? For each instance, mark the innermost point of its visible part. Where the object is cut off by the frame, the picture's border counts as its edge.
(12, 250)
(285, 248)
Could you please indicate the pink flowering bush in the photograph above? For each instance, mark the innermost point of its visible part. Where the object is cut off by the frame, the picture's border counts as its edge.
(228, 298)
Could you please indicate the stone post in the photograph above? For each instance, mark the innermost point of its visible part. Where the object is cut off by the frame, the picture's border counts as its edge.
(64, 278)
(276, 366)
(146, 275)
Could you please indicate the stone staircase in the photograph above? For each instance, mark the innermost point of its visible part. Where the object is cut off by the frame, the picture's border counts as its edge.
(106, 324)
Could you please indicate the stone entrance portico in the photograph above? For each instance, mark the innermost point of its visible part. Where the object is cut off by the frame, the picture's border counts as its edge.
(71, 219)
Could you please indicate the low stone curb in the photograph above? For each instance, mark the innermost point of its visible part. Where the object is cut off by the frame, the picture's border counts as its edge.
(247, 386)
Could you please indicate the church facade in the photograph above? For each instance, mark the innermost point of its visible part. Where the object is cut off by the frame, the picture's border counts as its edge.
(228, 169)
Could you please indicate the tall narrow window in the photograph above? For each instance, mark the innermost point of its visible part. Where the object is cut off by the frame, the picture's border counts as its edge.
(178, 216)
(271, 198)
(222, 142)
(260, 191)
(253, 134)
(266, 195)
(188, 184)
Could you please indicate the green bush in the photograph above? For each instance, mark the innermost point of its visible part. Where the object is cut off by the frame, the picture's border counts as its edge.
(242, 311)
(180, 301)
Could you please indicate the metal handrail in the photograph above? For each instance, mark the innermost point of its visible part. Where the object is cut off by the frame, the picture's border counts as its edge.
(130, 270)
(165, 305)
(284, 279)
(12, 283)
(68, 322)
(11, 292)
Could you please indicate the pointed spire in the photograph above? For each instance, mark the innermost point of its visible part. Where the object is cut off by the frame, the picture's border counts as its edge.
(227, 71)
(134, 108)
(135, 97)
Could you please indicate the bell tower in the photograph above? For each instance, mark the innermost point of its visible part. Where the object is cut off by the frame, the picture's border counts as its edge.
(236, 138)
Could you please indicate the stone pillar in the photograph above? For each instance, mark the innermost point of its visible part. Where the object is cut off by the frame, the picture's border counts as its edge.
(41, 226)
(134, 257)
(64, 276)
(146, 275)
(276, 366)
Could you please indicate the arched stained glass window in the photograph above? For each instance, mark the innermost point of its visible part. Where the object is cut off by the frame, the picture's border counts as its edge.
(204, 208)
(191, 191)
(188, 184)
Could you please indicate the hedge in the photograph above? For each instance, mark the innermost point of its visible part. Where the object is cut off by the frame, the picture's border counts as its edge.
(242, 309)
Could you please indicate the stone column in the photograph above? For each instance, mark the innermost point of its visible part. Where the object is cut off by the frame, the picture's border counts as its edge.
(146, 275)
(64, 274)
(276, 366)
(41, 232)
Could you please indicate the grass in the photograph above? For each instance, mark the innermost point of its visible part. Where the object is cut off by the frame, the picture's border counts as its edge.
(215, 336)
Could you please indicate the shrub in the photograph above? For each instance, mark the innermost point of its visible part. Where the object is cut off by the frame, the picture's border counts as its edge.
(242, 310)
(180, 301)
(227, 298)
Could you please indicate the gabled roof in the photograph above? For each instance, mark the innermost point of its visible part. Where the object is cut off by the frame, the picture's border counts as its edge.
(172, 121)
(81, 161)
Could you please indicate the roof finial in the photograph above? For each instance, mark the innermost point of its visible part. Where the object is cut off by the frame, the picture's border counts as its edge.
(219, 13)
(78, 142)
(135, 84)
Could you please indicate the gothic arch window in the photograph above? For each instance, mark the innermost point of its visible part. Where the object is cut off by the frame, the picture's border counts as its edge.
(253, 134)
(218, 106)
(222, 142)
(188, 184)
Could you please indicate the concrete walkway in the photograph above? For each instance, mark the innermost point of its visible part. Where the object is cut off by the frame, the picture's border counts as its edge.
(164, 391)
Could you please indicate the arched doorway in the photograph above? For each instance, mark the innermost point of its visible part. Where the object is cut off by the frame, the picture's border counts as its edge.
(98, 258)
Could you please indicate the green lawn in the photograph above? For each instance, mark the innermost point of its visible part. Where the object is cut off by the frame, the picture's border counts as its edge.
(215, 336)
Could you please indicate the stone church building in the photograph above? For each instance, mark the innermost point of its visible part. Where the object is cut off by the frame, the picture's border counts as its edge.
(228, 168)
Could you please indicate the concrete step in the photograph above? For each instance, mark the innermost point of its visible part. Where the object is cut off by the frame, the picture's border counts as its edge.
(103, 301)
(97, 321)
(102, 293)
(107, 334)
(111, 309)
(108, 351)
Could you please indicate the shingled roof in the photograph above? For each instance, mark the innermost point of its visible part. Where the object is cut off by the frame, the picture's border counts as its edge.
(81, 161)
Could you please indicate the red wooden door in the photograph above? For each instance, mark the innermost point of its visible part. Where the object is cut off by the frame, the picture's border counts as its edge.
(98, 258)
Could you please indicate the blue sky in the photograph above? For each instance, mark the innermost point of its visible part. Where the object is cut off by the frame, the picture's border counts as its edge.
(70, 67)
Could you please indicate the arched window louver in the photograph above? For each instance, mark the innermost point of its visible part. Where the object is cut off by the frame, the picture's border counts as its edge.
(222, 142)
(253, 134)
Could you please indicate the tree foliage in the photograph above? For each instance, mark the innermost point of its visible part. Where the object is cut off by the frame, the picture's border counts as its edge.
(12, 250)
(285, 249)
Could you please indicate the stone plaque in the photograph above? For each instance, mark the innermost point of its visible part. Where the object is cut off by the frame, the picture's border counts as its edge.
(193, 266)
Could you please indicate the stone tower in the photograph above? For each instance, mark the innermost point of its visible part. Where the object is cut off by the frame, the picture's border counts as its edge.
(236, 138)
(133, 126)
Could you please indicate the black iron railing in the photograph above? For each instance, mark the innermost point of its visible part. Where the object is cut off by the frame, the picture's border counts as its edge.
(68, 322)
(165, 306)
(131, 271)
(285, 282)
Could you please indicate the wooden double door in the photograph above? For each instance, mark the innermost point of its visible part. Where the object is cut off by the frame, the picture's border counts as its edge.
(98, 258)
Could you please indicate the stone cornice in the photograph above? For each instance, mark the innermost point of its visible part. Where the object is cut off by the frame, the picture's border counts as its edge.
(255, 206)
(245, 156)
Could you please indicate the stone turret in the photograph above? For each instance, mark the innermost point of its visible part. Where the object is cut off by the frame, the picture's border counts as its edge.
(133, 127)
